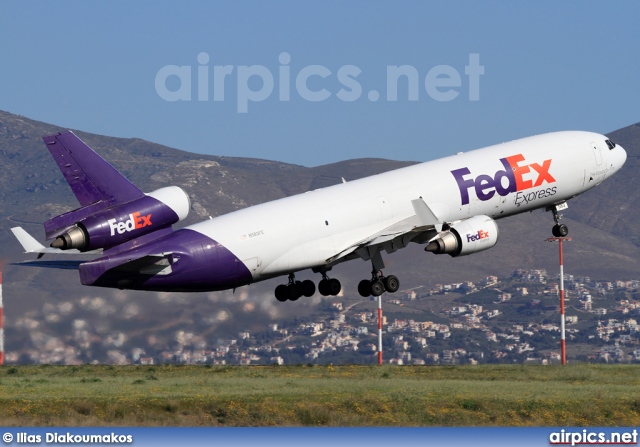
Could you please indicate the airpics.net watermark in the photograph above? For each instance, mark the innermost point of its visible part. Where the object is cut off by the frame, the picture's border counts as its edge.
(256, 83)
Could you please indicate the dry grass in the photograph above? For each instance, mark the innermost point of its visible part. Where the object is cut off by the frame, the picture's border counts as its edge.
(512, 395)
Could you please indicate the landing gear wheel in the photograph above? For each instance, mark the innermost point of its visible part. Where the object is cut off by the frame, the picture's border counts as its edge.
(294, 291)
(364, 288)
(334, 287)
(377, 288)
(391, 283)
(308, 288)
(282, 294)
(323, 287)
(560, 230)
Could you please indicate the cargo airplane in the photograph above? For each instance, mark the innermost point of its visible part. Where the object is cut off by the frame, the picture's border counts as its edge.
(449, 205)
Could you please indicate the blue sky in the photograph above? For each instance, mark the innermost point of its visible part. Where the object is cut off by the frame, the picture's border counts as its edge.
(547, 66)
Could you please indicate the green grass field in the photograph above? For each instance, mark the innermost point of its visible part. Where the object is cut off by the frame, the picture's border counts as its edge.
(500, 395)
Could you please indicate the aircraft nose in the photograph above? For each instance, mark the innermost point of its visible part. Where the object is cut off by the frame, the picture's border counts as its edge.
(619, 156)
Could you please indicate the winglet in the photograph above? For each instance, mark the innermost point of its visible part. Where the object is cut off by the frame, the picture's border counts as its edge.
(425, 215)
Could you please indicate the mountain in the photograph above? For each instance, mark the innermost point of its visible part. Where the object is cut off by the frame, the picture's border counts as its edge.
(602, 222)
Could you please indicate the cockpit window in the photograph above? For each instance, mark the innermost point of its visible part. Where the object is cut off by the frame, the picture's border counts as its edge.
(611, 144)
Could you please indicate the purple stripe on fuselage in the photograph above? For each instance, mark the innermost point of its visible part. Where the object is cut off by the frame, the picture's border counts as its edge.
(196, 263)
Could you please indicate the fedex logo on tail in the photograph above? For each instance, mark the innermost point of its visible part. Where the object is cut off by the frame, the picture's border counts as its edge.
(134, 222)
(516, 176)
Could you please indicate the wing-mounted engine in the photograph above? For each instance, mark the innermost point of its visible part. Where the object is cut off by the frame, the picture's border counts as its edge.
(112, 226)
(465, 237)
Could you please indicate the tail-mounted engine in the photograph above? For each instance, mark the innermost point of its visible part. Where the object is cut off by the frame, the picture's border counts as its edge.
(120, 223)
(468, 236)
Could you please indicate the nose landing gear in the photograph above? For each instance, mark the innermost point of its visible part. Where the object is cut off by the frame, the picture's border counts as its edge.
(558, 230)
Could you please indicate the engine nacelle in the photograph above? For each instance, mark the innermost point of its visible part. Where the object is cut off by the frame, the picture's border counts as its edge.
(468, 236)
(123, 222)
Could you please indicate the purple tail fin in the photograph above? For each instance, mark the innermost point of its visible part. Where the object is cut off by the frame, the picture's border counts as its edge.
(90, 177)
(95, 183)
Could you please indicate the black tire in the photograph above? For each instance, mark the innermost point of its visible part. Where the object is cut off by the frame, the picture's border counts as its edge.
(364, 288)
(377, 288)
(334, 287)
(323, 287)
(560, 230)
(391, 283)
(563, 230)
(294, 292)
(282, 294)
(308, 288)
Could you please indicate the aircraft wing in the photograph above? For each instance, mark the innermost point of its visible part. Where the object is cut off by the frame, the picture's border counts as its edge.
(151, 265)
(395, 236)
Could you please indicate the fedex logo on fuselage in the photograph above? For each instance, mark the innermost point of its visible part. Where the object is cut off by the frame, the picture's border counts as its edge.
(481, 234)
(134, 222)
(518, 174)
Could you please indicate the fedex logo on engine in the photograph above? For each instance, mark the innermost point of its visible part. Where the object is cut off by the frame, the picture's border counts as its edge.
(134, 222)
(516, 176)
(481, 234)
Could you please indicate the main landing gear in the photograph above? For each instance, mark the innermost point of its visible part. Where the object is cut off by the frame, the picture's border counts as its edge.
(329, 286)
(296, 289)
(559, 230)
(378, 284)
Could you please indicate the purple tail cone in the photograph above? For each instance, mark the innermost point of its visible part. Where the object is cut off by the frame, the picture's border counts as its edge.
(183, 261)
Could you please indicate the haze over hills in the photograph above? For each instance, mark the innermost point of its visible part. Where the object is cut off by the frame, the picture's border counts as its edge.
(602, 222)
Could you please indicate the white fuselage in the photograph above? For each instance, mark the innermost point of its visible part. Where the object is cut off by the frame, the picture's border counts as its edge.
(306, 230)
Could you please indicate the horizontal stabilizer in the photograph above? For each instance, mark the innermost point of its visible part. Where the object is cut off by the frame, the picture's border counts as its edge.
(31, 245)
(65, 265)
(27, 241)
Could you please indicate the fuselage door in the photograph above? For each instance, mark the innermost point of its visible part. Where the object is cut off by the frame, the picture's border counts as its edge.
(253, 264)
(596, 153)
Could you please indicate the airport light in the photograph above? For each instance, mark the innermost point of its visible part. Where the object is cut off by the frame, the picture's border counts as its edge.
(563, 345)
